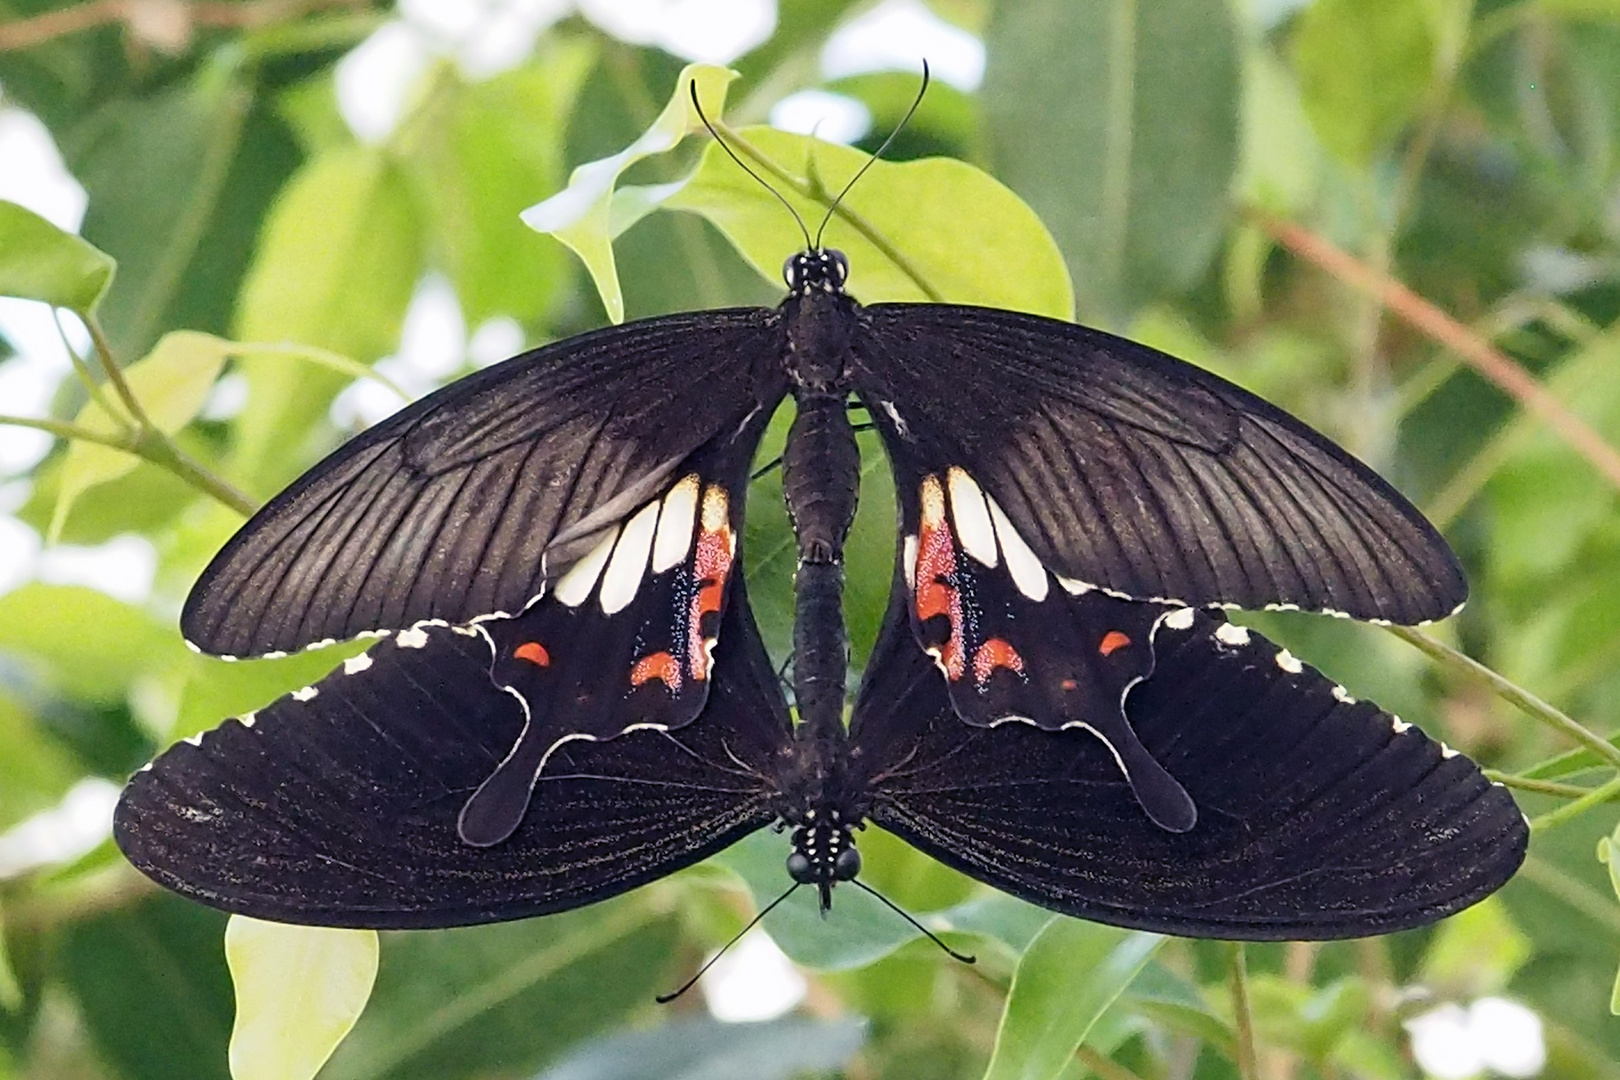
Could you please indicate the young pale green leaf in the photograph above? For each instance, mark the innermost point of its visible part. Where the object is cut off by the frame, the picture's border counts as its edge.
(339, 256)
(581, 214)
(83, 643)
(171, 383)
(1119, 124)
(1068, 977)
(38, 261)
(299, 989)
(936, 229)
(1364, 66)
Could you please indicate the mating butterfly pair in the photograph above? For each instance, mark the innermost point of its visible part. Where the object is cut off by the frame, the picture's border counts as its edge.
(572, 698)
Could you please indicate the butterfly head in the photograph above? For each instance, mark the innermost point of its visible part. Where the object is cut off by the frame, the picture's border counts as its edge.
(816, 270)
(823, 855)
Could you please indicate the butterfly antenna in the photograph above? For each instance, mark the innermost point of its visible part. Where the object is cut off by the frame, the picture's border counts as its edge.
(797, 220)
(665, 999)
(906, 915)
(898, 128)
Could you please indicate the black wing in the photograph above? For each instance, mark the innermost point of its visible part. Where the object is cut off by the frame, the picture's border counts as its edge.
(338, 805)
(1128, 469)
(469, 501)
(1318, 816)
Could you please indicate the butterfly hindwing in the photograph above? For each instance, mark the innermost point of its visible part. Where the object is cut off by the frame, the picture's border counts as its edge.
(469, 501)
(1127, 469)
(1318, 816)
(1011, 641)
(338, 805)
(626, 638)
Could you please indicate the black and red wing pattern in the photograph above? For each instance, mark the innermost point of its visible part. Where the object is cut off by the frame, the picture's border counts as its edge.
(1012, 644)
(338, 805)
(1318, 816)
(1128, 469)
(625, 639)
(468, 501)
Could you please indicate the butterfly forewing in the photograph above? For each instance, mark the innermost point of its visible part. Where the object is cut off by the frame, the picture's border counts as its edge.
(469, 501)
(1127, 469)
(1318, 816)
(338, 805)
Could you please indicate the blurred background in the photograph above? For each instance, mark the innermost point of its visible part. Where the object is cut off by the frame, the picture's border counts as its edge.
(1240, 182)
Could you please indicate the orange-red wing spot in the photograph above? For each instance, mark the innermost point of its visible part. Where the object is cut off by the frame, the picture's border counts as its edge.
(936, 565)
(1112, 642)
(534, 653)
(659, 665)
(711, 565)
(1069, 684)
(993, 654)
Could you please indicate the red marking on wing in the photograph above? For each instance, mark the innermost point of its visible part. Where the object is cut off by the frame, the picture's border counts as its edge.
(534, 653)
(993, 654)
(1113, 641)
(711, 565)
(936, 560)
(658, 665)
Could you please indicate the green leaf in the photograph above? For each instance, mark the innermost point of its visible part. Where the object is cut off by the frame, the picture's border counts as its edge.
(581, 215)
(905, 227)
(1072, 972)
(337, 263)
(152, 988)
(505, 999)
(299, 989)
(338, 258)
(1364, 67)
(87, 644)
(858, 931)
(35, 771)
(171, 383)
(214, 689)
(480, 152)
(1477, 951)
(699, 1048)
(1119, 123)
(38, 261)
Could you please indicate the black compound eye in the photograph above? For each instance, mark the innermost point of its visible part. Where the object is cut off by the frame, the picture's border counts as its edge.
(847, 865)
(838, 265)
(799, 868)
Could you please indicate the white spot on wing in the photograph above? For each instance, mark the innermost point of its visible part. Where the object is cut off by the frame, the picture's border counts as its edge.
(629, 562)
(908, 562)
(193, 740)
(899, 422)
(1341, 694)
(577, 584)
(1289, 662)
(1232, 634)
(308, 693)
(1073, 587)
(414, 638)
(1180, 619)
(1026, 570)
(931, 498)
(1446, 751)
(1401, 726)
(675, 525)
(973, 527)
(354, 665)
(274, 654)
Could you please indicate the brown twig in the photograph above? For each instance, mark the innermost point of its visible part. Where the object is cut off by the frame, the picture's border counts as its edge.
(50, 25)
(1492, 363)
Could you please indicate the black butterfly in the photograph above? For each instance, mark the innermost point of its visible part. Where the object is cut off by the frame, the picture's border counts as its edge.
(572, 697)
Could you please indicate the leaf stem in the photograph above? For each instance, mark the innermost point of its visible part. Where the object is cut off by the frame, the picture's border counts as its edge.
(1510, 692)
(1540, 787)
(62, 429)
(1481, 355)
(1242, 1015)
(1572, 891)
(1596, 797)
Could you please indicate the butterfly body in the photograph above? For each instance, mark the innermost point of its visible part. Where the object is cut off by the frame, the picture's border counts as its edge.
(572, 698)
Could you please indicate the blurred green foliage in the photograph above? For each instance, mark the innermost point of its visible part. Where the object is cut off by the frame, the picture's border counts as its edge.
(1468, 148)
